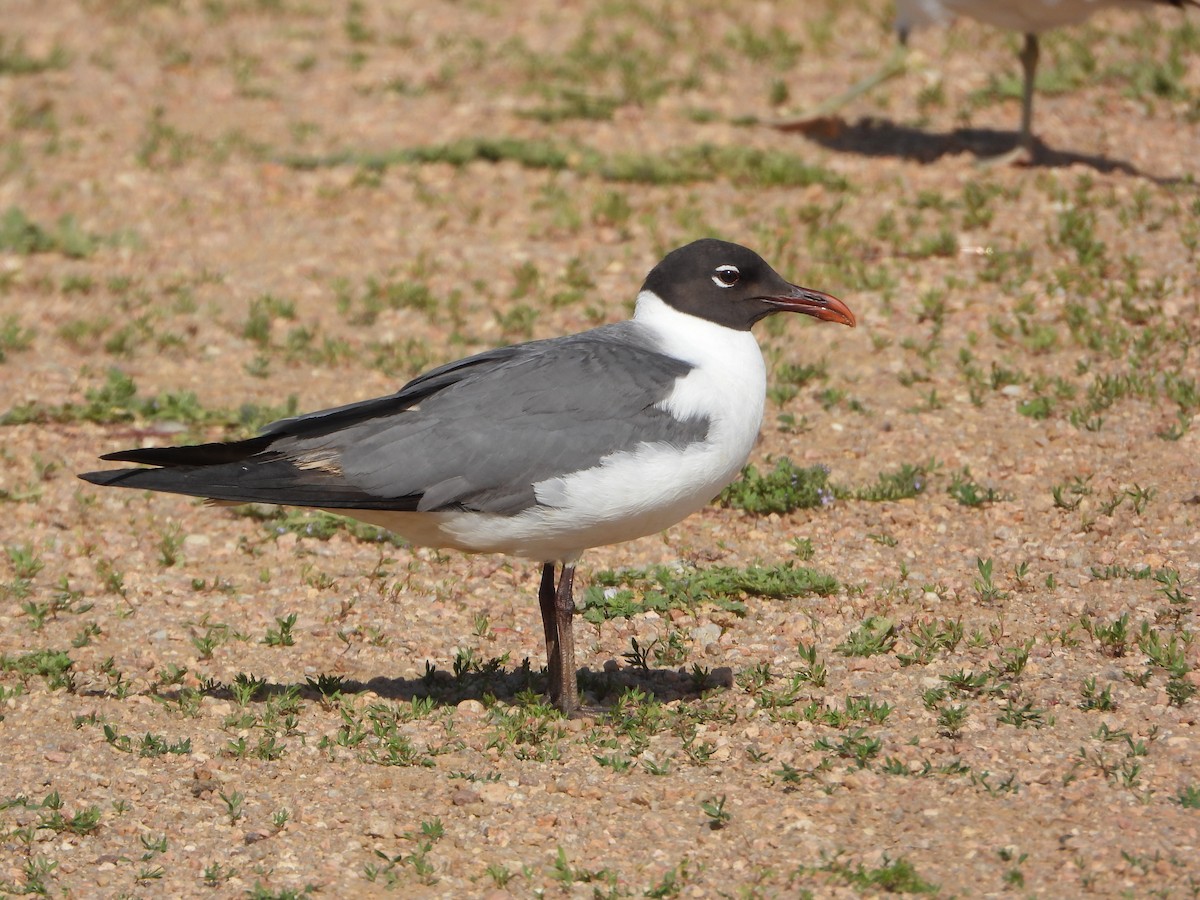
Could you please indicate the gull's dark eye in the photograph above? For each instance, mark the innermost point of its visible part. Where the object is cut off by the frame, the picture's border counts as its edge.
(726, 276)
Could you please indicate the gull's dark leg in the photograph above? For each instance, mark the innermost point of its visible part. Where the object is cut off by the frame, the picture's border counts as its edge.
(564, 608)
(546, 601)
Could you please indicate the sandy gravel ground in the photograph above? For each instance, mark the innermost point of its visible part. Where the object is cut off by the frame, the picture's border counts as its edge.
(230, 202)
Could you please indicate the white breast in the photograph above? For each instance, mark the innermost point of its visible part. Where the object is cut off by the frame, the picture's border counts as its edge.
(728, 385)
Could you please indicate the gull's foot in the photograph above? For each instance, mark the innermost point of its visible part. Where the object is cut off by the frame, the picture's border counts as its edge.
(587, 711)
(1024, 154)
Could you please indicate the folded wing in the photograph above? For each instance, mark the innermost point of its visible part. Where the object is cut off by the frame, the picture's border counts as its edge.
(475, 434)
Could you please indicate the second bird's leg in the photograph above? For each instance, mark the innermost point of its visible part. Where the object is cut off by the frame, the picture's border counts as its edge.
(1029, 61)
(1025, 153)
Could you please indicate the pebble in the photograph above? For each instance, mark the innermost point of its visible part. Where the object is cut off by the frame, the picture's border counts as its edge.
(378, 826)
(494, 792)
(471, 708)
(465, 797)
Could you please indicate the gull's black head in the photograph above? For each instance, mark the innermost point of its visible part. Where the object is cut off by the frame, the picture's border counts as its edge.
(733, 286)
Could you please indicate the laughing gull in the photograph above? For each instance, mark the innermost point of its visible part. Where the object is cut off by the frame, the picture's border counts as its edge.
(540, 450)
(1029, 17)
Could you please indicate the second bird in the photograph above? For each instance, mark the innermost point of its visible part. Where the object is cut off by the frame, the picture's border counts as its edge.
(1028, 17)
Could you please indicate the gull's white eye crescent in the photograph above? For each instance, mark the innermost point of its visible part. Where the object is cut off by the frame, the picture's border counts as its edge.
(726, 276)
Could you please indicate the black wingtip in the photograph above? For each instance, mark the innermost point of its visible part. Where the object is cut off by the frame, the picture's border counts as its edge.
(105, 478)
(147, 455)
(118, 456)
(213, 454)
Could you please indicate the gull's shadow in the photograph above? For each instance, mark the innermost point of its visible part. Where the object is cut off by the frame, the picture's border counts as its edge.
(603, 687)
(875, 137)
(449, 689)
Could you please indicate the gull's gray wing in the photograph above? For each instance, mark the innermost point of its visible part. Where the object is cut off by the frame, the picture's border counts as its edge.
(474, 434)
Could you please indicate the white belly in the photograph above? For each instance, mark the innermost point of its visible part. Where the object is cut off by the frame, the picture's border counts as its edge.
(627, 496)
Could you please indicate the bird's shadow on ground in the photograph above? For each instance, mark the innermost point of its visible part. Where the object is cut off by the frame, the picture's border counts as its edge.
(879, 138)
(445, 688)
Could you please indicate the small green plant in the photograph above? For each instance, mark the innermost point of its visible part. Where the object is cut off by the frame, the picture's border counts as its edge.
(153, 846)
(281, 635)
(615, 761)
(784, 489)
(1093, 699)
(855, 745)
(34, 611)
(893, 876)
(20, 234)
(234, 803)
(875, 635)
(1036, 407)
(930, 637)
(215, 874)
(1021, 715)
(567, 875)
(246, 688)
(969, 493)
(964, 682)
(718, 815)
(1013, 877)
(117, 400)
(1113, 637)
(517, 322)
(951, 719)
(418, 860)
(985, 587)
(638, 656)
(14, 337)
(813, 671)
(1172, 587)
(317, 524)
(1140, 497)
(901, 484)
(263, 311)
(25, 563)
(149, 874)
(53, 665)
(51, 817)
(328, 686)
(1188, 797)
(149, 746)
(671, 884)
(111, 577)
(169, 545)
(16, 60)
(499, 874)
(1012, 660)
(611, 594)
(215, 634)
